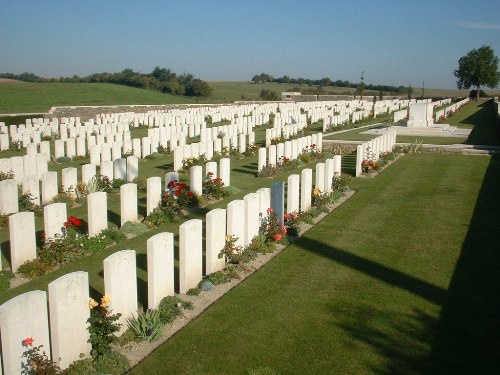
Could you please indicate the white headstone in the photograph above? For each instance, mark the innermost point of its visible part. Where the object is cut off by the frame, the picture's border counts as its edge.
(69, 311)
(252, 221)
(132, 168)
(128, 203)
(160, 259)
(196, 179)
(153, 199)
(225, 171)
(120, 169)
(190, 254)
(49, 187)
(305, 189)
(120, 284)
(215, 239)
(14, 314)
(69, 180)
(8, 197)
(22, 238)
(54, 217)
(320, 177)
(292, 197)
(235, 224)
(97, 211)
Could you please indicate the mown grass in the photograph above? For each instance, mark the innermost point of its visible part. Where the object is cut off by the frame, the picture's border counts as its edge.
(364, 290)
(19, 97)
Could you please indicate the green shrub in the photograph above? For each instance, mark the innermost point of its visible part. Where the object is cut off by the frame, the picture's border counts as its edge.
(142, 183)
(27, 203)
(131, 229)
(117, 182)
(340, 182)
(63, 159)
(147, 326)
(5, 277)
(82, 366)
(171, 307)
(230, 190)
(111, 363)
(62, 198)
(157, 217)
(32, 269)
(194, 292)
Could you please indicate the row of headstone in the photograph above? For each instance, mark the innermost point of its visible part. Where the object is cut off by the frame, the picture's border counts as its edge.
(371, 150)
(24, 166)
(400, 115)
(276, 154)
(445, 112)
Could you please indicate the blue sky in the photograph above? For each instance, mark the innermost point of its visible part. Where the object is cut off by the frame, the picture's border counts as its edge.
(396, 42)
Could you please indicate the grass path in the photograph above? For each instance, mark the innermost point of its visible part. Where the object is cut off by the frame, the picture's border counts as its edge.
(367, 290)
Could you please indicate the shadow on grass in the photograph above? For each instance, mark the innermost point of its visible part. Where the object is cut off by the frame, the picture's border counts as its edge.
(467, 339)
(483, 132)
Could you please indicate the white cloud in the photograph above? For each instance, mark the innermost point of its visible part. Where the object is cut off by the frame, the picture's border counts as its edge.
(480, 25)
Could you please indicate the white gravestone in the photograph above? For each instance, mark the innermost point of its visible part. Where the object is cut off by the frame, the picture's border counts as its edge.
(305, 189)
(69, 311)
(225, 171)
(293, 191)
(97, 212)
(153, 193)
(120, 284)
(14, 314)
(54, 217)
(22, 238)
(215, 239)
(196, 179)
(8, 197)
(160, 260)
(252, 221)
(190, 254)
(128, 203)
(235, 224)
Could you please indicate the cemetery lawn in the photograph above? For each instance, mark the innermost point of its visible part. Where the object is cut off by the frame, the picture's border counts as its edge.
(400, 279)
(18, 97)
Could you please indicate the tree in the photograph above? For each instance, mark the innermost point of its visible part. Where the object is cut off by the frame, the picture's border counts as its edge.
(410, 92)
(478, 68)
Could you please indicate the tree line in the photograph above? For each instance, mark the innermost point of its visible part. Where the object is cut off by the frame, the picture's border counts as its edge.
(160, 79)
(324, 82)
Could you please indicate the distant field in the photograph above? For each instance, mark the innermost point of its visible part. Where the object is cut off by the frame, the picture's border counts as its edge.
(22, 97)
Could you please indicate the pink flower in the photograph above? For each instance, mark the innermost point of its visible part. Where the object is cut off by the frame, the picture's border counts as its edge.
(283, 230)
(287, 216)
(277, 237)
(270, 210)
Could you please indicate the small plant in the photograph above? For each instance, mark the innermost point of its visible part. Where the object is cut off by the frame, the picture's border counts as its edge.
(147, 326)
(214, 186)
(163, 150)
(131, 229)
(27, 203)
(15, 146)
(171, 307)
(271, 228)
(156, 218)
(193, 292)
(6, 175)
(37, 360)
(117, 182)
(5, 277)
(142, 182)
(232, 251)
(340, 182)
(102, 327)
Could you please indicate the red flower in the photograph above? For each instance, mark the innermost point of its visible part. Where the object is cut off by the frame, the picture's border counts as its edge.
(277, 237)
(283, 230)
(67, 224)
(177, 192)
(189, 193)
(217, 180)
(287, 216)
(171, 184)
(28, 341)
(181, 186)
(210, 174)
(75, 221)
(313, 145)
(295, 215)
(270, 210)
(167, 196)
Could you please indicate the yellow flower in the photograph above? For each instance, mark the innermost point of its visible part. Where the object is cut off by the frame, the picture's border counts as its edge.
(316, 192)
(105, 300)
(92, 303)
(228, 238)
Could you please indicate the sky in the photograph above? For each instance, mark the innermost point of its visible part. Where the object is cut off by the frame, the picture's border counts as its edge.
(394, 42)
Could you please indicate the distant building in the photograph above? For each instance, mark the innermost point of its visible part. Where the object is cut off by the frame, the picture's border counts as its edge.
(290, 96)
